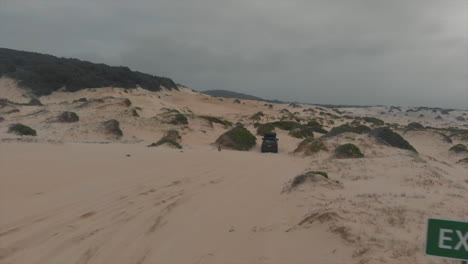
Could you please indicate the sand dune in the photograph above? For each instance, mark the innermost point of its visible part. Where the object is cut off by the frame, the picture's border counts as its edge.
(73, 195)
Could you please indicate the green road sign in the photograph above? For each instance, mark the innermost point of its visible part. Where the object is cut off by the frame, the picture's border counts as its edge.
(446, 238)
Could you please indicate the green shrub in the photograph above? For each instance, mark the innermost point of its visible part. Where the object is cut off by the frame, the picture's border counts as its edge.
(286, 125)
(257, 116)
(217, 120)
(324, 174)
(68, 117)
(111, 128)
(264, 128)
(238, 138)
(127, 102)
(301, 132)
(22, 130)
(392, 138)
(166, 140)
(458, 148)
(310, 146)
(348, 151)
(316, 127)
(179, 119)
(357, 129)
(373, 120)
(465, 160)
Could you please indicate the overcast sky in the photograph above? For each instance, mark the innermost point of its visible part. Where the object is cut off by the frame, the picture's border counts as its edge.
(391, 52)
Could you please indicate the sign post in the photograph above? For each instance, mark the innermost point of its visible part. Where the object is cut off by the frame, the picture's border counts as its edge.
(447, 239)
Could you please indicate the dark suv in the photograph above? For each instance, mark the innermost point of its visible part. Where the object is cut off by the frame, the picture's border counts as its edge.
(270, 142)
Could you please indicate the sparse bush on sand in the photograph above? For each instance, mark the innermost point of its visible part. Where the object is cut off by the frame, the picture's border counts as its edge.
(111, 128)
(257, 116)
(179, 119)
(264, 128)
(356, 128)
(68, 117)
(238, 138)
(348, 151)
(392, 138)
(217, 120)
(301, 132)
(174, 134)
(22, 130)
(459, 148)
(312, 176)
(310, 146)
(373, 120)
(168, 141)
(415, 125)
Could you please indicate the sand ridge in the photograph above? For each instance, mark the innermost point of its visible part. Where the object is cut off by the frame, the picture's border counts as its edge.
(73, 195)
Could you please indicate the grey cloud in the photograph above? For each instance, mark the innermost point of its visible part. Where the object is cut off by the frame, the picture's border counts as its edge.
(396, 52)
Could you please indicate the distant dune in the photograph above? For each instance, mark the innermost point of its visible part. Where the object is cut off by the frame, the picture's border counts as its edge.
(44, 74)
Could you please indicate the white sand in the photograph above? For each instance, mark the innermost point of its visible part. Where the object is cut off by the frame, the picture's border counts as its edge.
(65, 199)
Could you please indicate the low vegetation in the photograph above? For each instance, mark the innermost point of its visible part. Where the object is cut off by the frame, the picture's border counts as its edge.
(392, 138)
(459, 148)
(68, 117)
(415, 125)
(217, 120)
(111, 128)
(257, 116)
(22, 130)
(264, 128)
(310, 146)
(168, 141)
(44, 74)
(352, 128)
(312, 176)
(373, 120)
(301, 132)
(238, 138)
(179, 119)
(348, 151)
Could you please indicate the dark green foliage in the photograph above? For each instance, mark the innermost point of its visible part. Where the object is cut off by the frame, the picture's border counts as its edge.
(169, 110)
(174, 134)
(301, 132)
(465, 160)
(34, 101)
(111, 128)
(21, 130)
(45, 73)
(263, 128)
(445, 112)
(236, 101)
(2, 119)
(217, 120)
(127, 102)
(238, 138)
(302, 178)
(286, 125)
(348, 151)
(415, 125)
(68, 117)
(373, 120)
(357, 129)
(135, 113)
(166, 140)
(179, 119)
(460, 118)
(310, 146)
(392, 138)
(324, 174)
(257, 116)
(458, 148)
(81, 100)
